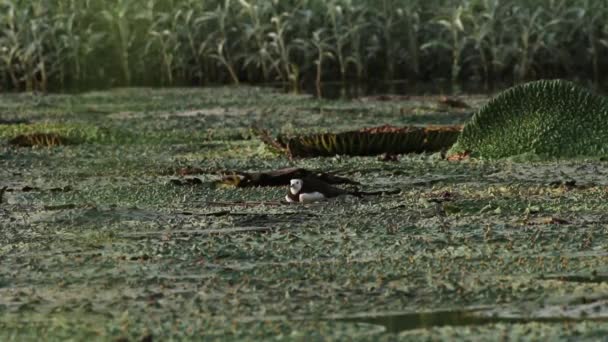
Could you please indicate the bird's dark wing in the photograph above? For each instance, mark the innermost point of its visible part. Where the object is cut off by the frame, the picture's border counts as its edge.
(312, 184)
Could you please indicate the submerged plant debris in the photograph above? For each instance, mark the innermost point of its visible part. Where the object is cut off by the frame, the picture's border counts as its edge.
(120, 253)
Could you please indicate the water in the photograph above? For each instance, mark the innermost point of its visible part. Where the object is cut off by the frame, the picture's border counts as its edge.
(351, 90)
(338, 90)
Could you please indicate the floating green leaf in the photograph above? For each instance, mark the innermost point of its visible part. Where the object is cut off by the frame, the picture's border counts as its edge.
(373, 141)
(550, 118)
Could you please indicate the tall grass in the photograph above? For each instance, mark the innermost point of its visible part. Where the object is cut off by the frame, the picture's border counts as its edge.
(53, 45)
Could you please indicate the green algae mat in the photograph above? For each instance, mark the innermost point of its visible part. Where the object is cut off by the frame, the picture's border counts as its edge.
(112, 228)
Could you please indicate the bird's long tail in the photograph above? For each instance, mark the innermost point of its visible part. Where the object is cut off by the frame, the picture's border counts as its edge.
(375, 193)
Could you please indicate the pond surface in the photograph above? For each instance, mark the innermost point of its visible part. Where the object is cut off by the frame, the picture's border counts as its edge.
(109, 238)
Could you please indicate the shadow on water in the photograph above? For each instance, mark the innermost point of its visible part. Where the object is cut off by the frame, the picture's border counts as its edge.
(424, 320)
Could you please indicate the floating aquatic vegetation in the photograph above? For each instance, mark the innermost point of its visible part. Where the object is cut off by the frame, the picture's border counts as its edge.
(551, 118)
(124, 246)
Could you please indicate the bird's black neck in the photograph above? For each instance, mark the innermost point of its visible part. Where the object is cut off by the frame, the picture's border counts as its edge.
(295, 198)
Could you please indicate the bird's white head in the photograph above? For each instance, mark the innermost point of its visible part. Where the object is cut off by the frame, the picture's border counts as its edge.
(295, 185)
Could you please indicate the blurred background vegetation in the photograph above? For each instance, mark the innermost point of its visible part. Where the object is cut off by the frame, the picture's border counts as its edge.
(66, 45)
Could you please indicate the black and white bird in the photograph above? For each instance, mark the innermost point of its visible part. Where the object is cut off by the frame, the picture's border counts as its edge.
(309, 190)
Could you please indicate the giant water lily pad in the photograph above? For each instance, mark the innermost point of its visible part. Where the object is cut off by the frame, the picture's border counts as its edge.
(370, 141)
(544, 118)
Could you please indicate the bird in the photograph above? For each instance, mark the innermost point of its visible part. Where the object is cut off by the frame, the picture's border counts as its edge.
(307, 190)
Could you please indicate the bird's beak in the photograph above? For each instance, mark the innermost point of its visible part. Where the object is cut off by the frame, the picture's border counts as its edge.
(292, 185)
